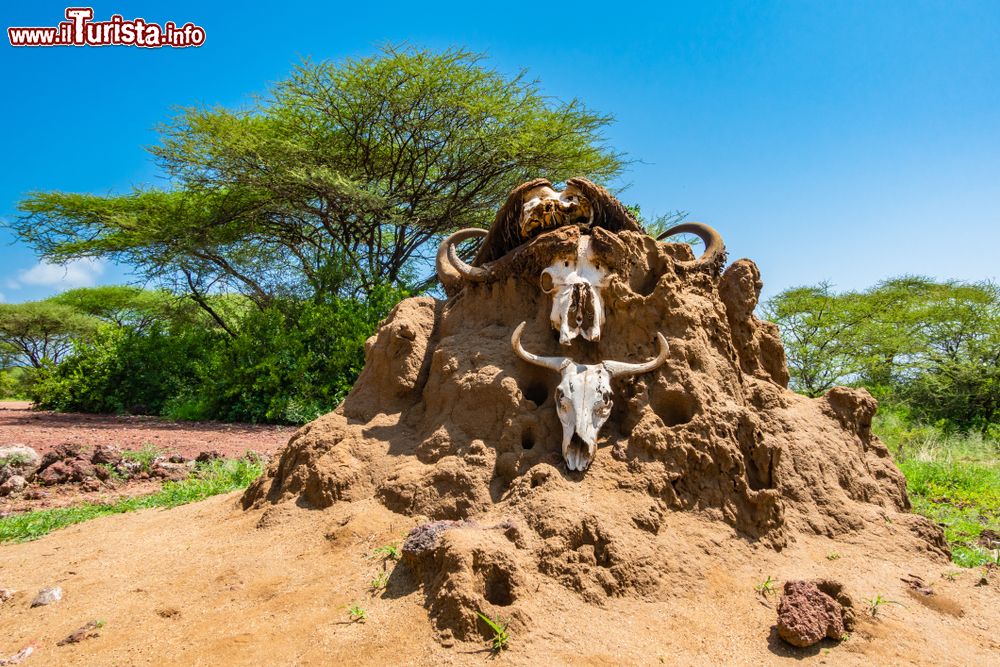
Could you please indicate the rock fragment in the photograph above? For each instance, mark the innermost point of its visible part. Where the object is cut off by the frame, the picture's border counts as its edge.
(14, 484)
(47, 596)
(806, 615)
(88, 631)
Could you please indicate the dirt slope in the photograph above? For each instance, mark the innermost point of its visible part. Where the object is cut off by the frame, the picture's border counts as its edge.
(209, 584)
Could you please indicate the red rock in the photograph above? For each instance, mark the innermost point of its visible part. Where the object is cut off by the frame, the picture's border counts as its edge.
(806, 615)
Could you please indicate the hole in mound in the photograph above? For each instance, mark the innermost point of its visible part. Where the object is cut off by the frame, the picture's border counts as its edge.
(673, 406)
(534, 390)
(497, 587)
(527, 438)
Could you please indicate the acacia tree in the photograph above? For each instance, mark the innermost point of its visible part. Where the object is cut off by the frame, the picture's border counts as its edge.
(933, 344)
(38, 332)
(339, 181)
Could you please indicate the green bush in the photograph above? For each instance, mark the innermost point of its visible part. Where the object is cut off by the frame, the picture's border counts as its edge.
(291, 362)
(125, 371)
(288, 363)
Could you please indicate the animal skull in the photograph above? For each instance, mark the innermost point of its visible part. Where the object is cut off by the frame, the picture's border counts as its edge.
(583, 397)
(575, 285)
(545, 209)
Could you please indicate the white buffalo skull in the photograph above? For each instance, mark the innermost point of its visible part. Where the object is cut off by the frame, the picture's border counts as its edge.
(575, 284)
(583, 397)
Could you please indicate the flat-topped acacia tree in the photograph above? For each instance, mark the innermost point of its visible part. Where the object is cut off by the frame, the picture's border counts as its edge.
(340, 180)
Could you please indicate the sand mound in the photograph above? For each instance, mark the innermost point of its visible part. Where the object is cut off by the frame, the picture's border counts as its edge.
(447, 424)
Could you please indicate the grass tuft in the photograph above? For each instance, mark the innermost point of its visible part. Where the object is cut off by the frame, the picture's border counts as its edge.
(952, 478)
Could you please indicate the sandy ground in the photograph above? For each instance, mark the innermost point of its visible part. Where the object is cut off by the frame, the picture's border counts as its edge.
(209, 584)
(42, 430)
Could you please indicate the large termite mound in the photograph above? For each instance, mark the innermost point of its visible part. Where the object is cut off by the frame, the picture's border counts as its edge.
(447, 424)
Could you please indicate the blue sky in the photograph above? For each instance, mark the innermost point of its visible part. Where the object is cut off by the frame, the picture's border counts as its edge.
(841, 141)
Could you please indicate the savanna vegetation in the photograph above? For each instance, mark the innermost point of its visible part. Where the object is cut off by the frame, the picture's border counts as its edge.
(290, 228)
(929, 351)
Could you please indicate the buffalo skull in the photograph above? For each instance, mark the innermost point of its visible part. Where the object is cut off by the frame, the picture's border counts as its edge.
(583, 397)
(575, 285)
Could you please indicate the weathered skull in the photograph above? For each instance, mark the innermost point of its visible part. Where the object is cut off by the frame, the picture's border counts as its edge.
(545, 209)
(575, 285)
(583, 397)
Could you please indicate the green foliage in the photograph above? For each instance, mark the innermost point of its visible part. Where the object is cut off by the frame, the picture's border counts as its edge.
(876, 603)
(501, 637)
(293, 361)
(15, 459)
(127, 306)
(341, 179)
(766, 587)
(387, 552)
(357, 613)
(933, 346)
(290, 362)
(379, 582)
(952, 478)
(123, 370)
(219, 476)
(144, 456)
(36, 333)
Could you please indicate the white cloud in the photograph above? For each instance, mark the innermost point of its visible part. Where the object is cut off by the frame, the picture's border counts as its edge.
(75, 273)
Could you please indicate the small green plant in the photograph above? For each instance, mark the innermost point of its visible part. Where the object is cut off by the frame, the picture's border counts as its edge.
(16, 459)
(215, 477)
(766, 587)
(387, 552)
(833, 555)
(951, 575)
(357, 613)
(501, 637)
(876, 603)
(113, 472)
(98, 624)
(379, 582)
(144, 456)
(844, 637)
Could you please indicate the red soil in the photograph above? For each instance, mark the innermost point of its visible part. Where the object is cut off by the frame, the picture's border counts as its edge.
(42, 430)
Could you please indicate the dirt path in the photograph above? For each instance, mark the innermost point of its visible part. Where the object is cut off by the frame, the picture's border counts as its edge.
(42, 430)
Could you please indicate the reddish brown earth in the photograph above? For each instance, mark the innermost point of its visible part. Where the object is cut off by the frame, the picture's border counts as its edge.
(42, 430)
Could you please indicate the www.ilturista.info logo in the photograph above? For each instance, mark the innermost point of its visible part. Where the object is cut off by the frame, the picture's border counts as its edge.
(80, 30)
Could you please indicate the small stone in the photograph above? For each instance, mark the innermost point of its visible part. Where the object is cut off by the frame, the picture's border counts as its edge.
(17, 459)
(64, 452)
(88, 631)
(6, 594)
(56, 472)
(173, 472)
(106, 454)
(208, 456)
(18, 657)
(177, 458)
(806, 615)
(14, 484)
(47, 596)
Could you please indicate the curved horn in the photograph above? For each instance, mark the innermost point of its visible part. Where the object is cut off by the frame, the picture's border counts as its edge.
(446, 253)
(618, 368)
(552, 363)
(714, 247)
